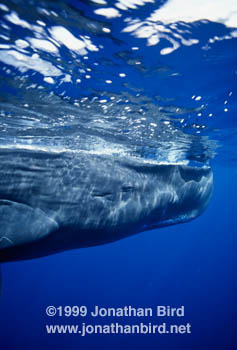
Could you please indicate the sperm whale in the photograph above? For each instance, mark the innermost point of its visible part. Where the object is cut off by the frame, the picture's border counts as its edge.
(51, 202)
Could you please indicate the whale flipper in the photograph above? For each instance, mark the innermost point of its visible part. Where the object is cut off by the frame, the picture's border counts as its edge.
(18, 220)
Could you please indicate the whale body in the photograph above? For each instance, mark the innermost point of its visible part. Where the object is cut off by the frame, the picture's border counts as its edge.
(51, 202)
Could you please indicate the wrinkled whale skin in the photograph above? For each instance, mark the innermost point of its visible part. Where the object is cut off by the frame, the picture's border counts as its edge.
(51, 202)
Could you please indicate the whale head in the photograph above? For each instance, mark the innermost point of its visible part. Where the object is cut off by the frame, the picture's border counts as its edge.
(184, 194)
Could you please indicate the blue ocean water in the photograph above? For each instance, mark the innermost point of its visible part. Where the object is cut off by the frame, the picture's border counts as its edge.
(153, 80)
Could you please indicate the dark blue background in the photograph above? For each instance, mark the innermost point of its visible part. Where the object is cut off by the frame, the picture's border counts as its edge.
(192, 264)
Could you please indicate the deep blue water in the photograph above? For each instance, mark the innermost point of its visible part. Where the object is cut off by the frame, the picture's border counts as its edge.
(174, 107)
(192, 264)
